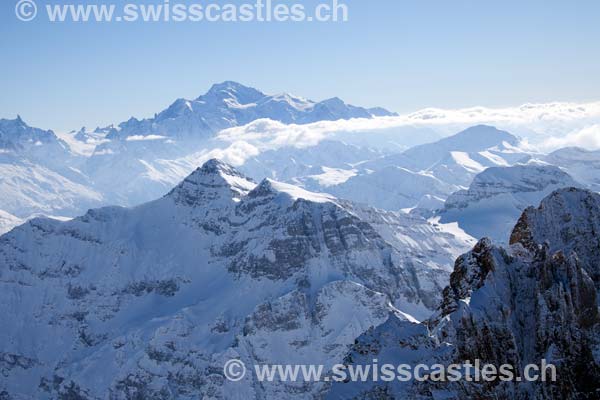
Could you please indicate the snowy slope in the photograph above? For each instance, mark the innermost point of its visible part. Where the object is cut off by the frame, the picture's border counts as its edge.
(319, 166)
(424, 176)
(391, 188)
(15, 134)
(583, 165)
(38, 173)
(534, 300)
(498, 196)
(150, 301)
(414, 178)
(8, 221)
(473, 140)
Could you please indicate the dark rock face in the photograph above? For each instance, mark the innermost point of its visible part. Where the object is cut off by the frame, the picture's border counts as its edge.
(567, 220)
(469, 274)
(304, 232)
(534, 301)
(546, 310)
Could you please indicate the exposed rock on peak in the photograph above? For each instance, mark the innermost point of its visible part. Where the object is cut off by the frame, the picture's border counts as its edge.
(216, 166)
(569, 221)
(534, 301)
(244, 94)
(470, 273)
(215, 180)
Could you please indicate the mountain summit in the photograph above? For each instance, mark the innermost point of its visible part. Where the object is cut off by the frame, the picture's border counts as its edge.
(15, 134)
(150, 301)
(230, 104)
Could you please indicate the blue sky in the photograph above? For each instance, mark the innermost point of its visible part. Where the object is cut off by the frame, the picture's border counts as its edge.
(400, 54)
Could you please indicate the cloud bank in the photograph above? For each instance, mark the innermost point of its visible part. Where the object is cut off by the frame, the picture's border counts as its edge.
(547, 126)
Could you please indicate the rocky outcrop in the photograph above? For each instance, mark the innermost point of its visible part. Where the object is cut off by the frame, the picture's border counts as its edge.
(536, 300)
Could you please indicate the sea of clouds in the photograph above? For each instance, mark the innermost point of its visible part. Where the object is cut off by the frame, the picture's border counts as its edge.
(545, 127)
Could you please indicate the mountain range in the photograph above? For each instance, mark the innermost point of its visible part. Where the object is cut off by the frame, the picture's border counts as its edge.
(136, 259)
(64, 175)
(231, 104)
(146, 301)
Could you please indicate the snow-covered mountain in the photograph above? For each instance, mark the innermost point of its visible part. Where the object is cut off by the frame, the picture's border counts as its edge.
(230, 104)
(583, 165)
(392, 188)
(316, 167)
(15, 134)
(43, 147)
(51, 176)
(153, 154)
(138, 160)
(39, 173)
(535, 300)
(458, 158)
(8, 221)
(424, 176)
(421, 177)
(498, 196)
(149, 302)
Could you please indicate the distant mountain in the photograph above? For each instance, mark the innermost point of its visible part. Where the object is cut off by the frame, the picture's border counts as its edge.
(583, 165)
(153, 154)
(149, 302)
(535, 300)
(423, 176)
(458, 158)
(471, 140)
(497, 196)
(392, 188)
(47, 174)
(230, 104)
(8, 221)
(316, 167)
(21, 141)
(16, 135)
(39, 174)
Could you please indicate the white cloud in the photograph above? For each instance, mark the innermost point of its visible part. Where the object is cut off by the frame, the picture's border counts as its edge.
(544, 125)
(236, 154)
(587, 138)
(139, 138)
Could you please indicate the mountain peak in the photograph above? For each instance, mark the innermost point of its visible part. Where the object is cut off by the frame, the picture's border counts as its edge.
(228, 85)
(216, 166)
(229, 104)
(497, 196)
(13, 123)
(15, 133)
(243, 94)
(214, 179)
(333, 101)
(486, 135)
(568, 219)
